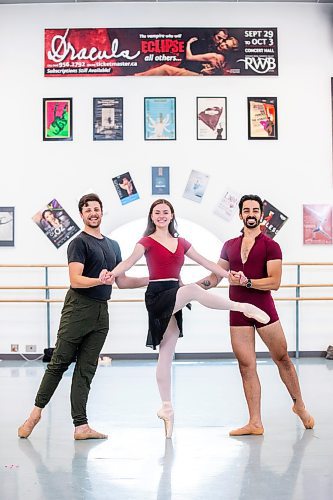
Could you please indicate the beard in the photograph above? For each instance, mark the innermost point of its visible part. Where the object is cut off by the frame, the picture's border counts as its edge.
(93, 223)
(251, 222)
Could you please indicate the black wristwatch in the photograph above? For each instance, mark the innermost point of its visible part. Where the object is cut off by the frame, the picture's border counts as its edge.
(248, 284)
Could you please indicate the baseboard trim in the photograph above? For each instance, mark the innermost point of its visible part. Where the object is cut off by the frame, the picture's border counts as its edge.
(178, 356)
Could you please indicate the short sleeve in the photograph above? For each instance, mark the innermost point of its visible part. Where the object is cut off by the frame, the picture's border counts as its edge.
(76, 251)
(145, 242)
(117, 251)
(224, 252)
(273, 250)
(187, 245)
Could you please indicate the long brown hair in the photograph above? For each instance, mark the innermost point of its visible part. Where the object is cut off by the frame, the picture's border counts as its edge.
(151, 228)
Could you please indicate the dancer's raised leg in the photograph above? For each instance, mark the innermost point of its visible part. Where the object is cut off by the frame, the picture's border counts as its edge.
(187, 293)
(163, 374)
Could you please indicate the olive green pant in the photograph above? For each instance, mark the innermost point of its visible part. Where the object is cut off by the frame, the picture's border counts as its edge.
(82, 332)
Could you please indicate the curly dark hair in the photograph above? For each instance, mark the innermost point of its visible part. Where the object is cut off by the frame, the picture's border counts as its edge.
(83, 202)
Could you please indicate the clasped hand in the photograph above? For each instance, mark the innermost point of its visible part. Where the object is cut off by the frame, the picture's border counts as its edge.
(237, 278)
(106, 277)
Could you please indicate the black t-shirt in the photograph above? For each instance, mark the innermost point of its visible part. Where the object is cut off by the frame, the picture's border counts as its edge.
(95, 254)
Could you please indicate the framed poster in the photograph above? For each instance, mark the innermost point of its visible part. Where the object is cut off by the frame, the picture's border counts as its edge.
(211, 118)
(160, 118)
(125, 188)
(196, 186)
(57, 119)
(160, 180)
(317, 224)
(55, 223)
(272, 220)
(108, 119)
(7, 221)
(332, 115)
(262, 118)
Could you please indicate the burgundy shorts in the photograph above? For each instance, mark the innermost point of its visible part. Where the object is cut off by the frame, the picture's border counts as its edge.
(266, 303)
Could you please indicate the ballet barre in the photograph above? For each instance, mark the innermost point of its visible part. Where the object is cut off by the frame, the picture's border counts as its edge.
(47, 288)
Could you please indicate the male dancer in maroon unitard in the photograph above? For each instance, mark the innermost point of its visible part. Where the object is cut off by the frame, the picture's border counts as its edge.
(259, 258)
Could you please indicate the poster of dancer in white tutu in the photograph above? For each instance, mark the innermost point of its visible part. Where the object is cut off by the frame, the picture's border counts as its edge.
(272, 220)
(173, 51)
(55, 223)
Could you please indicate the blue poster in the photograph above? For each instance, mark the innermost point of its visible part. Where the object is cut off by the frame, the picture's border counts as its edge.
(125, 188)
(160, 180)
(160, 118)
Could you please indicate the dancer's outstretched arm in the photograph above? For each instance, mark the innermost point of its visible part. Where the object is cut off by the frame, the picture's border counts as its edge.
(125, 265)
(208, 264)
(212, 280)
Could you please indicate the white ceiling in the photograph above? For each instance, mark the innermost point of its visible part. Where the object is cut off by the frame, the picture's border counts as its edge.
(156, 1)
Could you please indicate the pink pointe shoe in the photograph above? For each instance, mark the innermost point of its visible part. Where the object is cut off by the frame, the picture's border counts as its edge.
(254, 312)
(166, 414)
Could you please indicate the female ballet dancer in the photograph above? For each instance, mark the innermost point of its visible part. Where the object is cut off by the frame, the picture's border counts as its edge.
(165, 297)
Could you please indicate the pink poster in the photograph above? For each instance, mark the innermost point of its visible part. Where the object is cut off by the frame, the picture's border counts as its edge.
(317, 224)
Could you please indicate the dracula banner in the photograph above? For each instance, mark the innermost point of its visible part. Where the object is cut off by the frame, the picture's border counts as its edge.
(160, 52)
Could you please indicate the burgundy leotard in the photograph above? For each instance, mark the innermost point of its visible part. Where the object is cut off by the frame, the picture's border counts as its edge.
(263, 250)
(162, 263)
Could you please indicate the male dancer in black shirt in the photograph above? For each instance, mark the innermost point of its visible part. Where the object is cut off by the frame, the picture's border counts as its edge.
(84, 320)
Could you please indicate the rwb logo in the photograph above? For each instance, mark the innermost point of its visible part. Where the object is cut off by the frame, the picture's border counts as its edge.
(259, 65)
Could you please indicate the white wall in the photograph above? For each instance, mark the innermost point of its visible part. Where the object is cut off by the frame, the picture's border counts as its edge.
(293, 170)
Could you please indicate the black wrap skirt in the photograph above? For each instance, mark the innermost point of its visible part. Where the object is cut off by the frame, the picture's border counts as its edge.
(160, 301)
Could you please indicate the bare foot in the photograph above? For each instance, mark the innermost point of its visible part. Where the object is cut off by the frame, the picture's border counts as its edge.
(26, 429)
(85, 432)
(247, 430)
(304, 415)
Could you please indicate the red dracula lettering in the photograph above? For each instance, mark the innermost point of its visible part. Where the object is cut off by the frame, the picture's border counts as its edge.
(158, 46)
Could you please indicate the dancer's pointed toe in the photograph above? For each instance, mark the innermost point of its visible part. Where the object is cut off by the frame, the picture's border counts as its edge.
(257, 314)
(166, 414)
(27, 427)
(304, 415)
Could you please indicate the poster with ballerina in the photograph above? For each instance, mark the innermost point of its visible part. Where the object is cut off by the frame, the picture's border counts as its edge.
(160, 118)
(125, 188)
(317, 224)
(211, 118)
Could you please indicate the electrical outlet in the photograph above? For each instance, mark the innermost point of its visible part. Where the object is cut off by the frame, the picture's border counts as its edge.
(14, 348)
(31, 348)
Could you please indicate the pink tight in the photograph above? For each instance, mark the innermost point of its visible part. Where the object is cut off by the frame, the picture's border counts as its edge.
(167, 347)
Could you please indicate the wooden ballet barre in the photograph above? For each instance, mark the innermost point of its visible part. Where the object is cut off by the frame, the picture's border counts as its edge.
(186, 264)
(65, 287)
(49, 301)
(298, 299)
(54, 287)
